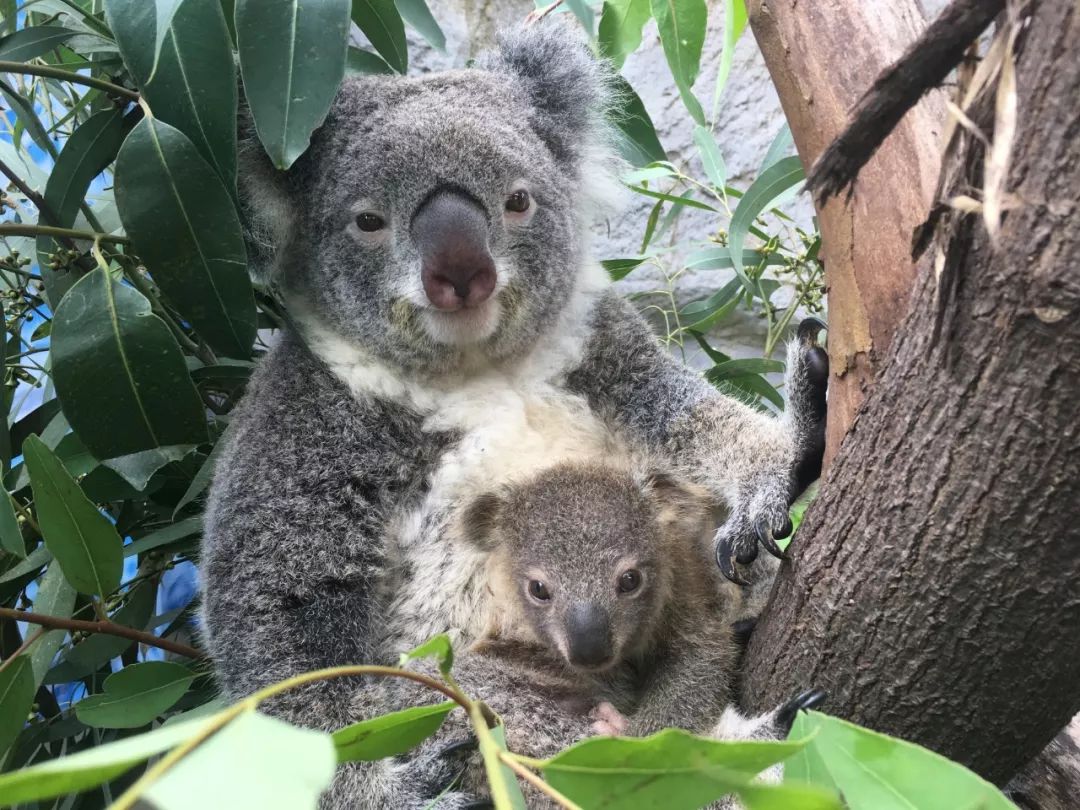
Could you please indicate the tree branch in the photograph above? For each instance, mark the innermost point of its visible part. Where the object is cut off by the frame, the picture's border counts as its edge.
(50, 72)
(18, 229)
(922, 67)
(105, 627)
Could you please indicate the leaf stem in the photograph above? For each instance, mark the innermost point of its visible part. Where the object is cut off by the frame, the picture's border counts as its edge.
(509, 760)
(19, 229)
(50, 72)
(105, 627)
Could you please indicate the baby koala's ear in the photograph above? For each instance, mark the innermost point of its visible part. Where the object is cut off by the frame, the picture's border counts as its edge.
(478, 523)
(684, 509)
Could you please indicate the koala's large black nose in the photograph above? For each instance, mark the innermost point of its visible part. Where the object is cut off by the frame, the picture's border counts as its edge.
(588, 635)
(451, 232)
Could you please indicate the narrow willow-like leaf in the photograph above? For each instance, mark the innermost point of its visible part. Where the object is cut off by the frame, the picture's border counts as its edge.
(11, 539)
(381, 23)
(438, 648)
(81, 539)
(779, 147)
(183, 223)
(292, 64)
(119, 372)
(417, 14)
(711, 159)
(361, 61)
(621, 22)
(734, 25)
(637, 135)
(16, 696)
(681, 24)
(770, 187)
(55, 597)
(391, 734)
(32, 42)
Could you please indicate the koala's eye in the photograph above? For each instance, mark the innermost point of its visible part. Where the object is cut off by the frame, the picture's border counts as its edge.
(630, 581)
(539, 591)
(518, 202)
(369, 222)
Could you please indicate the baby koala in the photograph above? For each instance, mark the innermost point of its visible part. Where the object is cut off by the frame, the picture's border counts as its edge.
(605, 587)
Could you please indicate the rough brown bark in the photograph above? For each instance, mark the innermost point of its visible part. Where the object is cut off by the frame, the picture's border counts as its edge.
(808, 48)
(934, 589)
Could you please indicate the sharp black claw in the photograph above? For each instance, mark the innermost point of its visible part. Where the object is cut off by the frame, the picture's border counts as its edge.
(810, 699)
(765, 535)
(726, 563)
(748, 556)
(808, 330)
(468, 745)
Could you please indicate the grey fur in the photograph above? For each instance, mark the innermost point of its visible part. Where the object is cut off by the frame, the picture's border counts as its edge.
(326, 531)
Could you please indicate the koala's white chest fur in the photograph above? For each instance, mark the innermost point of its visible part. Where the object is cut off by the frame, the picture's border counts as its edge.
(511, 422)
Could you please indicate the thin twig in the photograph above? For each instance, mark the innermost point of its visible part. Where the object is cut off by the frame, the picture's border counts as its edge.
(45, 211)
(19, 229)
(105, 627)
(50, 72)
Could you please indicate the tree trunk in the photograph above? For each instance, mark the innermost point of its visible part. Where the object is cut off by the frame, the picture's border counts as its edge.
(934, 589)
(808, 48)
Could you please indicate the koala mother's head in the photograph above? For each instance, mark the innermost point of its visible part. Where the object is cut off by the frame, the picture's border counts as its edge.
(444, 215)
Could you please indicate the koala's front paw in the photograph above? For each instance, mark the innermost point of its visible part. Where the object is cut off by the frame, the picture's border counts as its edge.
(784, 717)
(607, 720)
(737, 540)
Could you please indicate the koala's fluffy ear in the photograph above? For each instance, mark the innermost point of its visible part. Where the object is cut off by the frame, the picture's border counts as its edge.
(569, 90)
(265, 207)
(479, 521)
(684, 509)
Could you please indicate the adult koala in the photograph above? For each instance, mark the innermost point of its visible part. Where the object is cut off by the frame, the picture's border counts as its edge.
(449, 331)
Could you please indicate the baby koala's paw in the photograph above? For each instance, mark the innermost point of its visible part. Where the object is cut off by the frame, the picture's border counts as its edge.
(607, 720)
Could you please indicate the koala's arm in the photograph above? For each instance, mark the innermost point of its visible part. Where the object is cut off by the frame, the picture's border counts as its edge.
(293, 561)
(753, 462)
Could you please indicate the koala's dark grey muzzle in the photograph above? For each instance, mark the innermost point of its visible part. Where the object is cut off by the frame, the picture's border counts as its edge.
(450, 230)
(588, 635)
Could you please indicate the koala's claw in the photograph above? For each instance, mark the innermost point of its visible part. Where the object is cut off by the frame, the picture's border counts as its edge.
(726, 561)
(482, 804)
(465, 746)
(785, 715)
(809, 329)
(767, 536)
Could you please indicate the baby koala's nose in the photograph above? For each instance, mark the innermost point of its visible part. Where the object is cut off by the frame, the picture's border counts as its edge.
(450, 230)
(588, 634)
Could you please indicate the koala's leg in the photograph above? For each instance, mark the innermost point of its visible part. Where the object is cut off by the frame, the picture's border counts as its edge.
(751, 461)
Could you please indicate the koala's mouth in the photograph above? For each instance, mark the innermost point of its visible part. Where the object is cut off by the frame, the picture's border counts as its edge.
(465, 326)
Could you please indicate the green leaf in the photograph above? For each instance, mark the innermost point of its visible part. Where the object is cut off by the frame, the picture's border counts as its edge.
(194, 85)
(33, 563)
(184, 226)
(135, 695)
(650, 225)
(391, 734)
(711, 159)
(90, 654)
(85, 769)
(681, 24)
(201, 480)
(417, 14)
(292, 64)
(91, 147)
(438, 648)
(165, 536)
(736, 368)
(366, 62)
(81, 539)
(637, 139)
(27, 117)
(11, 539)
(734, 25)
(55, 597)
(779, 147)
(753, 384)
(876, 772)
(16, 697)
(660, 170)
(24, 45)
(138, 468)
(618, 269)
(671, 198)
(672, 769)
(505, 792)
(767, 190)
(381, 23)
(164, 12)
(581, 10)
(621, 22)
(119, 372)
(271, 764)
(719, 258)
(697, 313)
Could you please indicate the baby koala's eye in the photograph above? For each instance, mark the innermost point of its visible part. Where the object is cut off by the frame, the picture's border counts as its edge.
(539, 591)
(518, 202)
(369, 222)
(630, 581)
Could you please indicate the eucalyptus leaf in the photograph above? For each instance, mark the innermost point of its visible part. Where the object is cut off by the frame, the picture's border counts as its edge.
(119, 372)
(82, 540)
(681, 24)
(877, 772)
(779, 147)
(391, 734)
(505, 792)
(16, 696)
(619, 269)
(734, 24)
(164, 536)
(135, 695)
(182, 220)
(292, 65)
(55, 597)
(711, 159)
(417, 14)
(11, 538)
(771, 186)
(32, 42)
(164, 12)
(621, 22)
(438, 648)
(637, 139)
(366, 62)
(382, 24)
(138, 468)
